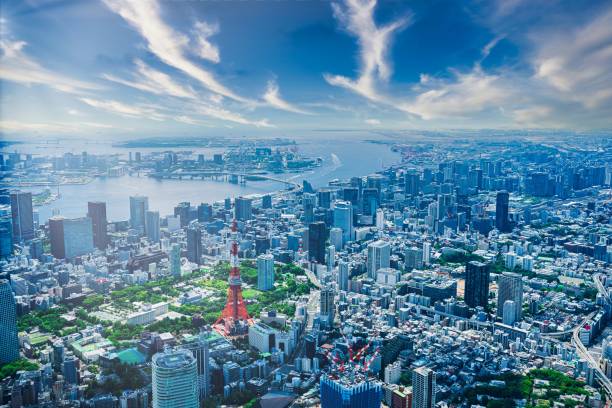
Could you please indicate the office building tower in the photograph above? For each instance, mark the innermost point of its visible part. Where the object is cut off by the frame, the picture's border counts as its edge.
(194, 244)
(370, 201)
(509, 312)
(309, 202)
(200, 348)
(445, 206)
(343, 275)
(343, 219)
(510, 287)
(70, 370)
(96, 210)
(205, 212)
(426, 253)
(412, 183)
(379, 256)
(393, 372)
(476, 291)
(152, 225)
(183, 210)
(9, 342)
(266, 201)
(327, 306)
(351, 194)
(265, 272)
(23, 216)
(380, 219)
(336, 238)
(175, 379)
(330, 257)
(138, 207)
(244, 209)
(6, 236)
(502, 222)
(413, 258)
(423, 388)
(56, 237)
(78, 237)
(336, 393)
(317, 237)
(324, 198)
(175, 260)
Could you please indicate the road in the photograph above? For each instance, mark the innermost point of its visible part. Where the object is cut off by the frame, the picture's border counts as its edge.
(581, 349)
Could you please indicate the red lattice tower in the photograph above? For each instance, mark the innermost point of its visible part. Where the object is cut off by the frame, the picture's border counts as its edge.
(235, 308)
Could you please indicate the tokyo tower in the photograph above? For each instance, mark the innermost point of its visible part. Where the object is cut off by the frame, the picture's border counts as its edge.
(235, 309)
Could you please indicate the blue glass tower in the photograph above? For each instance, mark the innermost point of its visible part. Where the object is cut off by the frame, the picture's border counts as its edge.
(9, 343)
(336, 394)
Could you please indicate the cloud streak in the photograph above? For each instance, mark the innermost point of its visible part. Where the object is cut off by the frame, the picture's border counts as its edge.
(274, 99)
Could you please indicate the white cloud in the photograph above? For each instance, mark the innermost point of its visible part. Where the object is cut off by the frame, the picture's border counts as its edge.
(577, 61)
(223, 114)
(167, 44)
(150, 80)
(357, 16)
(17, 66)
(13, 126)
(273, 98)
(204, 48)
(131, 111)
(373, 122)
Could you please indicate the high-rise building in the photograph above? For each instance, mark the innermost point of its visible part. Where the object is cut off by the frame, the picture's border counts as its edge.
(510, 287)
(78, 237)
(345, 394)
(9, 342)
(175, 260)
(182, 210)
(423, 388)
(265, 272)
(343, 275)
(6, 231)
(412, 183)
(152, 225)
(509, 312)
(317, 236)
(309, 202)
(175, 379)
(476, 291)
(200, 347)
(96, 210)
(243, 208)
(413, 258)
(56, 236)
(502, 222)
(327, 306)
(138, 207)
(379, 256)
(370, 201)
(266, 201)
(23, 216)
(205, 212)
(343, 218)
(194, 243)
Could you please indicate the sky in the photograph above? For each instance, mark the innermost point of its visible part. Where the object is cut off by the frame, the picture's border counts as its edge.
(131, 68)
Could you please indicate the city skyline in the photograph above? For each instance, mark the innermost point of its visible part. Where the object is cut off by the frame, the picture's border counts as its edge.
(116, 68)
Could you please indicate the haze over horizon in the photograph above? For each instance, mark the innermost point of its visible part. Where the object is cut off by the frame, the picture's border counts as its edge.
(116, 68)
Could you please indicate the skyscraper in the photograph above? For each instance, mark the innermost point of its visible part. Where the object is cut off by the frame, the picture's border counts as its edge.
(343, 275)
(412, 183)
(56, 236)
(476, 291)
(502, 223)
(152, 225)
(243, 208)
(343, 218)
(78, 237)
(510, 287)
(96, 210)
(200, 348)
(327, 306)
(379, 254)
(265, 272)
(317, 236)
(174, 381)
(6, 231)
(138, 207)
(175, 260)
(182, 210)
(370, 201)
(423, 388)
(345, 394)
(194, 243)
(9, 342)
(23, 216)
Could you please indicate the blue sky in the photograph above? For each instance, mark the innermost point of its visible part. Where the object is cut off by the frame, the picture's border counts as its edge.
(162, 67)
